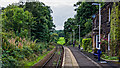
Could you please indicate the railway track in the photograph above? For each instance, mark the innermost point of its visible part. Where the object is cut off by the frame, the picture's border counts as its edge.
(55, 60)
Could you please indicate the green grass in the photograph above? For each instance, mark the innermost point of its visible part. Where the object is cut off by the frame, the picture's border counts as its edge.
(90, 51)
(32, 63)
(104, 56)
(61, 40)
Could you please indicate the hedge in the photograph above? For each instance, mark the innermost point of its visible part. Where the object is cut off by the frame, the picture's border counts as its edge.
(86, 43)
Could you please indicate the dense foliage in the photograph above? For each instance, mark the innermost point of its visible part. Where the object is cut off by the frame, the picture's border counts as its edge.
(60, 33)
(82, 18)
(16, 51)
(43, 21)
(17, 20)
(115, 29)
(34, 19)
(87, 44)
(54, 37)
(104, 44)
(68, 27)
(26, 29)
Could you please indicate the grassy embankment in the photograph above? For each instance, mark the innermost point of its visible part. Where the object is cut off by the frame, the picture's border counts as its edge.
(40, 57)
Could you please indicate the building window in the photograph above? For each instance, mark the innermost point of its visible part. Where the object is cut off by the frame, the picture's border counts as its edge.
(97, 41)
(109, 41)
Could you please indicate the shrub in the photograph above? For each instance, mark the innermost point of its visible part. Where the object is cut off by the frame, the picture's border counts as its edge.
(37, 49)
(27, 51)
(104, 44)
(86, 44)
(17, 49)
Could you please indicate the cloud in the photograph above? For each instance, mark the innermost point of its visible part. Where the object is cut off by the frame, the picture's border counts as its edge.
(61, 14)
(4, 3)
(58, 2)
(62, 10)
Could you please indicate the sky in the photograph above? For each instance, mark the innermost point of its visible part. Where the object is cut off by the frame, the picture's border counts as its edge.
(62, 10)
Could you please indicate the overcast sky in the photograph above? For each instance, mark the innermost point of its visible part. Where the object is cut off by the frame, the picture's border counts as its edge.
(62, 10)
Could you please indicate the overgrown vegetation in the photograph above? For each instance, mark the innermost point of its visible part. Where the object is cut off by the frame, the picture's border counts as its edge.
(115, 30)
(31, 63)
(16, 51)
(26, 33)
(87, 44)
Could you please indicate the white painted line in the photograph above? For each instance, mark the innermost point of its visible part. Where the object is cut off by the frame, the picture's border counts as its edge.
(63, 58)
(91, 60)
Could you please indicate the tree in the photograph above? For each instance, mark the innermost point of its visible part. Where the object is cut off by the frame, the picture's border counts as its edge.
(83, 13)
(43, 20)
(54, 37)
(84, 10)
(69, 25)
(15, 18)
(88, 26)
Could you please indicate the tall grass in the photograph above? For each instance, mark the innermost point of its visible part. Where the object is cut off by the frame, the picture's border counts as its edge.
(17, 51)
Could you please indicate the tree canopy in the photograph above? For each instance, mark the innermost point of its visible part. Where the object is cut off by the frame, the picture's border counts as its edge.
(33, 19)
(85, 11)
(44, 21)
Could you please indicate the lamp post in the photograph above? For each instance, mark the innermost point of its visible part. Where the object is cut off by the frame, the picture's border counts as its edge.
(99, 29)
(70, 38)
(73, 38)
(79, 36)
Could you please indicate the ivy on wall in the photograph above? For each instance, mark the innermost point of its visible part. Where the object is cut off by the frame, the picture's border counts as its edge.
(115, 29)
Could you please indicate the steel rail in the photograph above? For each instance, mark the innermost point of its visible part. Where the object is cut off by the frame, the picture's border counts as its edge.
(49, 58)
(61, 52)
(60, 57)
